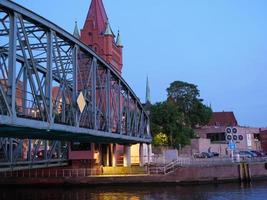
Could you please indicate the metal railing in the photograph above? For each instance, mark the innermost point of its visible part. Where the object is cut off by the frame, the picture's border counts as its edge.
(24, 165)
(204, 162)
(52, 173)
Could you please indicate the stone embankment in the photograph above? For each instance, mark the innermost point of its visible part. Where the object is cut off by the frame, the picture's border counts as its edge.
(181, 175)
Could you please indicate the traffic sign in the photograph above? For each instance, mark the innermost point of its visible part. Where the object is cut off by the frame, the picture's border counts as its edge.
(228, 130)
(235, 137)
(232, 145)
(234, 130)
(240, 137)
(229, 137)
(232, 134)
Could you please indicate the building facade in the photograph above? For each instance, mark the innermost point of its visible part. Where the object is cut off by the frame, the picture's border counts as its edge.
(213, 136)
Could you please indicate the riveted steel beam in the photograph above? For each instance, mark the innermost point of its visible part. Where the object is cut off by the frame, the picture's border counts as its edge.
(12, 63)
(45, 56)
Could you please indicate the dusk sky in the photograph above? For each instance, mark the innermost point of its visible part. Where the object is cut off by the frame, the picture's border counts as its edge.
(221, 46)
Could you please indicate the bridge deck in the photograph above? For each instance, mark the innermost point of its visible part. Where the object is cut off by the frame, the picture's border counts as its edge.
(26, 128)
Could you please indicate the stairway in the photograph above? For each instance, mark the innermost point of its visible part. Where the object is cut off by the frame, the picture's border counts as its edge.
(164, 169)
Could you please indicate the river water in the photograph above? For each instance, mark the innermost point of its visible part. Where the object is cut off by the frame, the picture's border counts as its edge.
(255, 191)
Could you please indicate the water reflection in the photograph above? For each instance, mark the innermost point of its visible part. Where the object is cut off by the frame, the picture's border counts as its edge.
(256, 191)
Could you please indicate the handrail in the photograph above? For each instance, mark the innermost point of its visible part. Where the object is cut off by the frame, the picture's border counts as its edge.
(52, 173)
(189, 162)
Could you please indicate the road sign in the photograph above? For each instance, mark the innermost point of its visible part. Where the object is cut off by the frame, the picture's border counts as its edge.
(234, 130)
(81, 102)
(229, 137)
(232, 134)
(228, 130)
(240, 137)
(232, 145)
(235, 137)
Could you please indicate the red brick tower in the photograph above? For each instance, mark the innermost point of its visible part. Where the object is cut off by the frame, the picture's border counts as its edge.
(97, 34)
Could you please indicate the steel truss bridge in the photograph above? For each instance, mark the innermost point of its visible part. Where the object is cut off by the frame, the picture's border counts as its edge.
(54, 87)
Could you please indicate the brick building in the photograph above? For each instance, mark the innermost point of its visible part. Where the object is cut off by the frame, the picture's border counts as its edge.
(263, 140)
(213, 135)
(98, 34)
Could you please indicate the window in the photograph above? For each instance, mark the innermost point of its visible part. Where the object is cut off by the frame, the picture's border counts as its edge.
(216, 137)
(80, 146)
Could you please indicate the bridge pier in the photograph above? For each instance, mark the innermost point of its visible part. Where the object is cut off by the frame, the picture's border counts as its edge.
(108, 155)
(114, 155)
(141, 154)
(127, 155)
(149, 153)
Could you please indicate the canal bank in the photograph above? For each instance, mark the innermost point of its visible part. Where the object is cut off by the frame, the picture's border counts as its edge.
(181, 175)
(233, 191)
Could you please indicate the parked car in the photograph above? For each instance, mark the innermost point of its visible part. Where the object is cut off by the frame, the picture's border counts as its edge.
(203, 155)
(207, 154)
(257, 153)
(246, 154)
(215, 154)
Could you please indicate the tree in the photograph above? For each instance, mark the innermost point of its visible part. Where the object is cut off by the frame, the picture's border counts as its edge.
(165, 119)
(174, 119)
(185, 96)
(160, 139)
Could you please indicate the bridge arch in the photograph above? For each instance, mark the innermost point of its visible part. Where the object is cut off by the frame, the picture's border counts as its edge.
(56, 87)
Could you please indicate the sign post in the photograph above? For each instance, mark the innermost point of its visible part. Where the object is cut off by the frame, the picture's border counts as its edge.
(232, 147)
(232, 137)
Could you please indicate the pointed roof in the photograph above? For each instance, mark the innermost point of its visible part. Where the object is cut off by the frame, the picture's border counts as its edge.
(98, 14)
(148, 99)
(118, 40)
(76, 31)
(108, 30)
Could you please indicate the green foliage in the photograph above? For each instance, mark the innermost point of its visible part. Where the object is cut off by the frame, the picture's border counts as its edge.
(165, 119)
(178, 115)
(160, 139)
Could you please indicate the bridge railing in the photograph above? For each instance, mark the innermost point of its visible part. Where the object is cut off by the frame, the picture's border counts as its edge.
(52, 173)
(48, 75)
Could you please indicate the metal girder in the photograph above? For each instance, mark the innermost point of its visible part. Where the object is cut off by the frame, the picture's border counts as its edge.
(20, 152)
(49, 75)
(47, 69)
(12, 63)
(108, 101)
(93, 88)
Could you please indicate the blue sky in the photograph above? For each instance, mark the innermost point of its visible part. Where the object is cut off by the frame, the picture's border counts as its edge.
(221, 46)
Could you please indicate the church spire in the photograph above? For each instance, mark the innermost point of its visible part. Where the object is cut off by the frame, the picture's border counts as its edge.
(98, 35)
(98, 15)
(148, 99)
(76, 31)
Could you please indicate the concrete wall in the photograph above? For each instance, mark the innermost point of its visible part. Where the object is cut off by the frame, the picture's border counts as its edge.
(180, 176)
(192, 174)
(258, 170)
(247, 132)
(203, 145)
